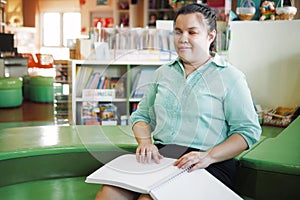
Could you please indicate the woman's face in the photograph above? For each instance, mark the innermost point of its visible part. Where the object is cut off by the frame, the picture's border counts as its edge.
(191, 39)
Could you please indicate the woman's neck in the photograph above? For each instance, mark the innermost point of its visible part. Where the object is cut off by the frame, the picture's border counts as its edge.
(191, 67)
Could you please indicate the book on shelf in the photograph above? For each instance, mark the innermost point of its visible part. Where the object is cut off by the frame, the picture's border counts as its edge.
(162, 181)
(93, 81)
(82, 78)
(134, 106)
(143, 78)
(87, 78)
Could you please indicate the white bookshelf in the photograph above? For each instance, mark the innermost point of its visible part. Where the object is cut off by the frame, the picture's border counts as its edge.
(125, 67)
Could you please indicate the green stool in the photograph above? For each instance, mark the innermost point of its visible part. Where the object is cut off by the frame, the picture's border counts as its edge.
(26, 87)
(41, 89)
(10, 92)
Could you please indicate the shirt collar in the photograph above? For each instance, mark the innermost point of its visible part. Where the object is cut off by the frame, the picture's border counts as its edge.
(216, 59)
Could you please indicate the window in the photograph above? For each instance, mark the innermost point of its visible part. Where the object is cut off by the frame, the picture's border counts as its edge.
(58, 27)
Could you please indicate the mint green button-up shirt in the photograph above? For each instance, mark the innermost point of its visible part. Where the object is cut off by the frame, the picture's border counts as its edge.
(201, 110)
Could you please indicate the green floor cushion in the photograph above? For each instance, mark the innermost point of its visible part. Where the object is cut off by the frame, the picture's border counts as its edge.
(58, 189)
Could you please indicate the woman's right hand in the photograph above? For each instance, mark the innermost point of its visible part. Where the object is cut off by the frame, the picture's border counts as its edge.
(146, 152)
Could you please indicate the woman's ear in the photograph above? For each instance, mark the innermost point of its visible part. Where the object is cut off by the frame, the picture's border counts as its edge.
(212, 35)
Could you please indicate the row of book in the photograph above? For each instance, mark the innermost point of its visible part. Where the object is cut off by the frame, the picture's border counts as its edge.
(87, 78)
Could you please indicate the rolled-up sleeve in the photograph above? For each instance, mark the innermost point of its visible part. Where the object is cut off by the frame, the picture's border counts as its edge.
(240, 112)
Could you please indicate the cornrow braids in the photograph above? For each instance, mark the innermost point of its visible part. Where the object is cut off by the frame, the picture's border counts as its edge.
(209, 15)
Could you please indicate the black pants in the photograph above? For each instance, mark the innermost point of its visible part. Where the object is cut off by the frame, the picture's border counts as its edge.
(225, 171)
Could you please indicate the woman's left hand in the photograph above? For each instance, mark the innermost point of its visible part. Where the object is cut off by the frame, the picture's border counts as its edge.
(195, 158)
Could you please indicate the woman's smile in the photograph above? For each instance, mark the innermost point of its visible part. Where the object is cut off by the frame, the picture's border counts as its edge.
(184, 48)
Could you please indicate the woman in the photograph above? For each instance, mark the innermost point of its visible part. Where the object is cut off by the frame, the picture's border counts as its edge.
(198, 108)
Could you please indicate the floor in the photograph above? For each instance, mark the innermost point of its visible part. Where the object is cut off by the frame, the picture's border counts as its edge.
(28, 112)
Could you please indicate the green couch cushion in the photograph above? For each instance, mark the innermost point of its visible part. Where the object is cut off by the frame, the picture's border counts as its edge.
(42, 140)
(279, 154)
(267, 132)
(271, 131)
(240, 156)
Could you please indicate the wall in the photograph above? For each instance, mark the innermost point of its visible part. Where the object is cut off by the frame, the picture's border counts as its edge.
(269, 54)
(58, 5)
(90, 9)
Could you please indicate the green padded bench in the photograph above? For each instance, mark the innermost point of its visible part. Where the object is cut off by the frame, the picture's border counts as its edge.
(267, 132)
(271, 170)
(54, 160)
(4, 125)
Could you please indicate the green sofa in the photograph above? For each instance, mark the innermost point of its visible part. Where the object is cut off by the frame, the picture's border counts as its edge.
(271, 170)
(51, 162)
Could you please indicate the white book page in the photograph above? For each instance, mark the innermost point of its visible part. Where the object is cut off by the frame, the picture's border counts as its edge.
(198, 184)
(126, 172)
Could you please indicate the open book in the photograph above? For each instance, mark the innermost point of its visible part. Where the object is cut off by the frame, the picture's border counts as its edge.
(162, 181)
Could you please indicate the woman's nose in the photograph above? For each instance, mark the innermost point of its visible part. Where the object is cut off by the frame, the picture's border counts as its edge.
(183, 38)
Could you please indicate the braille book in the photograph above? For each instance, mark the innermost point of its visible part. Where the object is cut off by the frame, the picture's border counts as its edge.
(162, 181)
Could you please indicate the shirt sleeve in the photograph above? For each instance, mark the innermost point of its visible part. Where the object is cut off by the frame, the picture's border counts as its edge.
(145, 109)
(240, 112)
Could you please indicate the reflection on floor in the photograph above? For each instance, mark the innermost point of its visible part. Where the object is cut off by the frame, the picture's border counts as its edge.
(28, 114)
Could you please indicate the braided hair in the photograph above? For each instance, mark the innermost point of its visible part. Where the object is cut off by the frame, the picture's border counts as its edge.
(209, 17)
